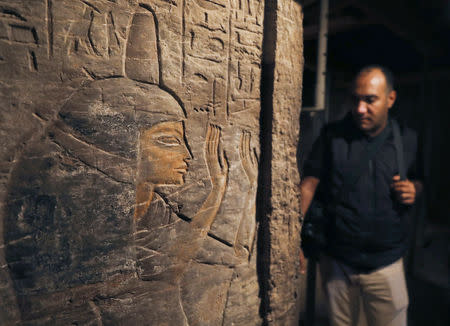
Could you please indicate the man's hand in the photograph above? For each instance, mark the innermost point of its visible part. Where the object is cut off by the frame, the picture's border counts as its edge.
(303, 262)
(404, 190)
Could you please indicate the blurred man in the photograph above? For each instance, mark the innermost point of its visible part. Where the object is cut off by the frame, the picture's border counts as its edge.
(366, 230)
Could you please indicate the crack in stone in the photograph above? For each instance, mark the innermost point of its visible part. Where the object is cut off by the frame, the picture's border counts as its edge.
(181, 306)
(228, 296)
(154, 252)
(90, 5)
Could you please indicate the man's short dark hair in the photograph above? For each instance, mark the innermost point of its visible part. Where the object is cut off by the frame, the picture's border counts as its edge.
(386, 72)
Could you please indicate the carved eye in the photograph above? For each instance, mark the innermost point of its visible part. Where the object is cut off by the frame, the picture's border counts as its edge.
(169, 140)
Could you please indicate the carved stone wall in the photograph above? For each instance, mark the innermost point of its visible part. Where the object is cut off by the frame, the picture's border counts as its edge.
(130, 161)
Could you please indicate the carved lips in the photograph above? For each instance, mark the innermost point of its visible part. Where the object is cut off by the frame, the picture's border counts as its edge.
(182, 169)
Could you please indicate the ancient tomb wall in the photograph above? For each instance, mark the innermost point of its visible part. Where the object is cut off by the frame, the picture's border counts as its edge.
(129, 161)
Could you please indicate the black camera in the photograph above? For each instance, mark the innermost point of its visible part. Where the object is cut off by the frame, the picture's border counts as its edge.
(313, 235)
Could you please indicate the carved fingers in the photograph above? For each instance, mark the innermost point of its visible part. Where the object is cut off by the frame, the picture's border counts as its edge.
(248, 158)
(215, 156)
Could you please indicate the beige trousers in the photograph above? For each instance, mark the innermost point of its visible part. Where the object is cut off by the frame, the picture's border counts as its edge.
(383, 294)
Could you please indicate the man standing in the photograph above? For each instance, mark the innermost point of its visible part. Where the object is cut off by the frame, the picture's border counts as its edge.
(366, 226)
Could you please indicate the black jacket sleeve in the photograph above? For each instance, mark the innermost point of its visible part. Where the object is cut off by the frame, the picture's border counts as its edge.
(315, 164)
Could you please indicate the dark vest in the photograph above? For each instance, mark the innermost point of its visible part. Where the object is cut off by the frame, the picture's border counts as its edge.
(368, 228)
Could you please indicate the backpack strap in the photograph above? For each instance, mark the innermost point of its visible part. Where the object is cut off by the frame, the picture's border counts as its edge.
(399, 150)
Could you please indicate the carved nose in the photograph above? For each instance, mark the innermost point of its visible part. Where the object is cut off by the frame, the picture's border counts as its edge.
(188, 154)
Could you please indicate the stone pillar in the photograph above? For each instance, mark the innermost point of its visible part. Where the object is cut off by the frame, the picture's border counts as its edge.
(131, 162)
(281, 94)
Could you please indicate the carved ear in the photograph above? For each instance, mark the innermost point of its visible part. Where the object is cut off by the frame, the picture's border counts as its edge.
(141, 56)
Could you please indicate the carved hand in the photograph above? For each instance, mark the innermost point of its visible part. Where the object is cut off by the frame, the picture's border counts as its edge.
(248, 158)
(245, 235)
(215, 157)
(218, 170)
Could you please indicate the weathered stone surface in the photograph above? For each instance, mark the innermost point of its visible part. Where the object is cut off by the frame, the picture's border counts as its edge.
(281, 185)
(243, 292)
(129, 162)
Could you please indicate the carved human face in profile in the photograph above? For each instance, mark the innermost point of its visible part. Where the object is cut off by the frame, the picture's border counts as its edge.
(163, 154)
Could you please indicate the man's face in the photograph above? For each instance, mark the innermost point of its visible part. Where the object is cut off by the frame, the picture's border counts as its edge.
(163, 154)
(372, 102)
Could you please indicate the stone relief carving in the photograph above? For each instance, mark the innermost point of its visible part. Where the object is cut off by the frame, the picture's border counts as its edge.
(120, 107)
(163, 160)
(94, 40)
(115, 146)
(17, 30)
(245, 235)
